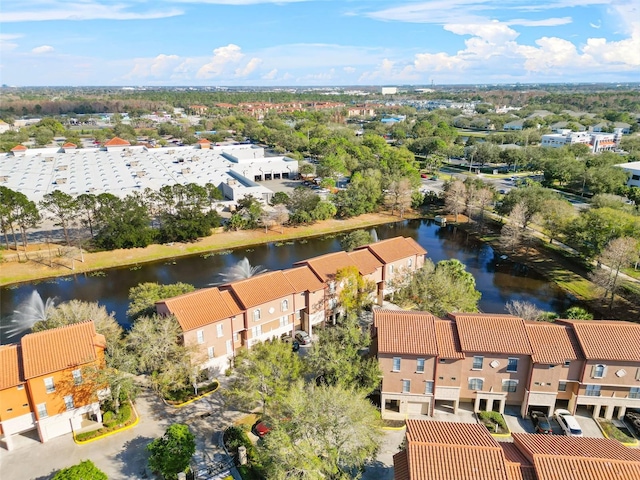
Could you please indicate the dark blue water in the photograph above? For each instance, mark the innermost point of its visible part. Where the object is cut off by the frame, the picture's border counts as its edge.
(498, 280)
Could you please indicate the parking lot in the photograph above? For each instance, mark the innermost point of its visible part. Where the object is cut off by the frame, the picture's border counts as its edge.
(517, 424)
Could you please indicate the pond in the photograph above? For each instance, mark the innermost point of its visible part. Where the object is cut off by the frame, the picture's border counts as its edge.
(499, 280)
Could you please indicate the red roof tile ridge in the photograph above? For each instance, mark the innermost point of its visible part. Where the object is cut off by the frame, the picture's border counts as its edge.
(117, 142)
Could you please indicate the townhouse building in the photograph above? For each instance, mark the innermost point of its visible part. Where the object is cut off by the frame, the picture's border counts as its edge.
(496, 360)
(44, 385)
(458, 451)
(220, 320)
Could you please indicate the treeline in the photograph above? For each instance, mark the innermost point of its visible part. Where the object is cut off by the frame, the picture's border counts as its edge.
(175, 213)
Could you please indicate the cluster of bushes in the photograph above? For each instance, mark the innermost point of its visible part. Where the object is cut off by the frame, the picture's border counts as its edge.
(235, 437)
(111, 422)
(611, 431)
(491, 419)
(187, 393)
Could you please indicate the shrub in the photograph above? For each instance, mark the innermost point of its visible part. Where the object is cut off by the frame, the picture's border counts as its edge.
(493, 418)
(84, 470)
(612, 431)
(235, 437)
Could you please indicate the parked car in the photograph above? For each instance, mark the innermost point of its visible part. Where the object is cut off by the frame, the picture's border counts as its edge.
(260, 429)
(541, 423)
(424, 175)
(632, 419)
(302, 337)
(568, 423)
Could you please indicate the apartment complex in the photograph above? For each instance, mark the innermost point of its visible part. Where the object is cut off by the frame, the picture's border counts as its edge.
(457, 451)
(494, 360)
(43, 384)
(220, 320)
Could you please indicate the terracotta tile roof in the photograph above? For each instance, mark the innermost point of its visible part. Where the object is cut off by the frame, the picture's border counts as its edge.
(261, 289)
(492, 333)
(454, 462)
(518, 465)
(202, 307)
(587, 447)
(19, 148)
(447, 339)
(551, 467)
(117, 142)
(466, 434)
(59, 348)
(394, 249)
(403, 332)
(513, 454)
(69, 145)
(552, 344)
(366, 261)
(231, 302)
(302, 279)
(326, 266)
(401, 466)
(10, 373)
(203, 141)
(608, 340)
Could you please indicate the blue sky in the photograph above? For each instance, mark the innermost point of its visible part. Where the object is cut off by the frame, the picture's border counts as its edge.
(317, 42)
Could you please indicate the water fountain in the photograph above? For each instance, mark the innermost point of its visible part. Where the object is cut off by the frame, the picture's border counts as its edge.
(240, 271)
(374, 236)
(28, 313)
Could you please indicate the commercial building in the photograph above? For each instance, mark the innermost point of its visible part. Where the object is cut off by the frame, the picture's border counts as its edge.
(120, 168)
(44, 384)
(495, 360)
(634, 173)
(457, 451)
(597, 142)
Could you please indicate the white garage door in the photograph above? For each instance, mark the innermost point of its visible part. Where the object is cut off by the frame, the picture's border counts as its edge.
(415, 408)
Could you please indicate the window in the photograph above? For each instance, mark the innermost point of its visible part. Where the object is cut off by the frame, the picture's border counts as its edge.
(236, 336)
(77, 377)
(635, 177)
(562, 386)
(443, 360)
(284, 320)
(333, 303)
(200, 335)
(332, 288)
(391, 269)
(598, 371)
(219, 330)
(477, 363)
(509, 385)
(256, 331)
(396, 364)
(68, 402)
(42, 410)
(476, 383)
(567, 363)
(512, 366)
(49, 385)
(285, 305)
(420, 365)
(211, 352)
(410, 263)
(21, 387)
(229, 346)
(428, 388)
(634, 392)
(256, 315)
(592, 391)
(406, 386)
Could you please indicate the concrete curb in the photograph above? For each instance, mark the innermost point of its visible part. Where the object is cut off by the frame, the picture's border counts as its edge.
(108, 434)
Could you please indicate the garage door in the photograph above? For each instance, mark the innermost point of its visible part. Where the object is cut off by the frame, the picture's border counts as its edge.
(57, 428)
(415, 408)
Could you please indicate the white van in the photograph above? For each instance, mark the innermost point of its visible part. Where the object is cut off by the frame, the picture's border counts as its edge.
(568, 423)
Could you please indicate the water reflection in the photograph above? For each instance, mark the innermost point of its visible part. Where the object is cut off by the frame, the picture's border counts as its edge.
(499, 280)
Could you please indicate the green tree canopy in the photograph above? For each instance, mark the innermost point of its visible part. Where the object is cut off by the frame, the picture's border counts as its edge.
(142, 297)
(85, 470)
(171, 453)
(321, 432)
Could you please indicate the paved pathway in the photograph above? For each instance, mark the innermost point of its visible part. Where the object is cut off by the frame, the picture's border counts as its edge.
(123, 456)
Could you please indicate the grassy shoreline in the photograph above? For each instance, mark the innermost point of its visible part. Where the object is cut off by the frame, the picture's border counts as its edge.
(38, 269)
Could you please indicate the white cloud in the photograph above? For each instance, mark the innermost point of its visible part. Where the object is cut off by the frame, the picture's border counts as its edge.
(593, 25)
(248, 68)
(6, 43)
(545, 22)
(270, 75)
(157, 67)
(349, 69)
(42, 49)
(494, 32)
(242, 2)
(436, 11)
(222, 58)
(88, 10)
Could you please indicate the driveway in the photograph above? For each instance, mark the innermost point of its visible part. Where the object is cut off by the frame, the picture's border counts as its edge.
(123, 456)
(517, 424)
(382, 467)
